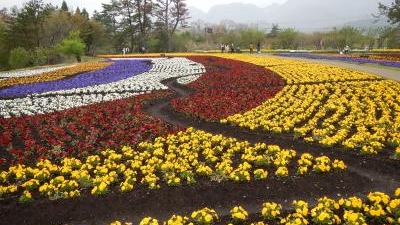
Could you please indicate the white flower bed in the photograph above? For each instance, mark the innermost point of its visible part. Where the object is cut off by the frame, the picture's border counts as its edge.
(162, 69)
(188, 79)
(30, 72)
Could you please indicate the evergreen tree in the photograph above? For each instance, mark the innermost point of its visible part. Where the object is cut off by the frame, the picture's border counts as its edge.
(64, 7)
(392, 12)
(27, 27)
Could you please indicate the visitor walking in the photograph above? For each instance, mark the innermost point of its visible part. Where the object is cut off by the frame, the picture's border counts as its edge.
(251, 48)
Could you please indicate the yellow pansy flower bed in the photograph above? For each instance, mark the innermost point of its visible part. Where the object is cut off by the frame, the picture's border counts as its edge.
(378, 208)
(173, 160)
(294, 71)
(328, 105)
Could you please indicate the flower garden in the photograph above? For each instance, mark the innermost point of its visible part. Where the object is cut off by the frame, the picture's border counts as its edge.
(249, 140)
(387, 59)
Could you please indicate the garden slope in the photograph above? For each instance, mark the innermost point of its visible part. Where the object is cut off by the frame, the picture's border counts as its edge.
(364, 174)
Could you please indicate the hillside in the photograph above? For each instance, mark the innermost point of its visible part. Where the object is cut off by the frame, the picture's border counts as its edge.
(299, 14)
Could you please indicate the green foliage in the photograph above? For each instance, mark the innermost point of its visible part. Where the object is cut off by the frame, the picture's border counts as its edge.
(72, 46)
(45, 56)
(249, 36)
(27, 28)
(19, 58)
(155, 45)
(392, 12)
(64, 6)
(181, 41)
(288, 38)
(4, 52)
(349, 36)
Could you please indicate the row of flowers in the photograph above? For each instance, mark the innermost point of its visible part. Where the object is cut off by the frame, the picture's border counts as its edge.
(173, 160)
(362, 115)
(53, 74)
(378, 60)
(30, 72)
(148, 81)
(295, 71)
(119, 70)
(80, 131)
(377, 208)
(228, 87)
(358, 111)
(385, 57)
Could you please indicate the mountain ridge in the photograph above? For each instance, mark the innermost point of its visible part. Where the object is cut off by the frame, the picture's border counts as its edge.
(298, 14)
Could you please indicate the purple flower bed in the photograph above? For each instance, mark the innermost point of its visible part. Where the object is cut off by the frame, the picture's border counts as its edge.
(346, 59)
(120, 69)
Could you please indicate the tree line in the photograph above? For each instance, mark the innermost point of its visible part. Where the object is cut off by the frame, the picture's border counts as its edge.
(292, 39)
(40, 33)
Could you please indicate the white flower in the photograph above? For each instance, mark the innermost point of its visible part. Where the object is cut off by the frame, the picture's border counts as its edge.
(30, 72)
(163, 68)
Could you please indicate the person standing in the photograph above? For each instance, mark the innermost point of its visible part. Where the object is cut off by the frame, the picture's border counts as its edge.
(251, 48)
(258, 47)
(227, 48)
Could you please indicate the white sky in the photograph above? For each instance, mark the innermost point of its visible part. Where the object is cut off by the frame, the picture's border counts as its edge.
(92, 5)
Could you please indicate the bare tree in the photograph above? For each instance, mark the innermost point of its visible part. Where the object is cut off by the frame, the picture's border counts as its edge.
(171, 13)
(143, 10)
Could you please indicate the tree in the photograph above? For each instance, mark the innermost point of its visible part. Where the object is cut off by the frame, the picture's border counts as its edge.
(92, 34)
(85, 13)
(143, 10)
(127, 11)
(19, 58)
(349, 36)
(27, 28)
(391, 12)
(64, 7)
(108, 17)
(274, 31)
(288, 38)
(170, 14)
(57, 27)
(72, 46)
(4, 52)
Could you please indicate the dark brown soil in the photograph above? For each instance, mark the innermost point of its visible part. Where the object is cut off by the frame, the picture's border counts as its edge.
(364, 174)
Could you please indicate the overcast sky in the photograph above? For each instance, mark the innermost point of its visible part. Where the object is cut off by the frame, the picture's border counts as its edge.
(92, 5)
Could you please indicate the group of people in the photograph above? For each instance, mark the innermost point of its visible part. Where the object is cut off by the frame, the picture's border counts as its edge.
(251, 47)
(125, 50)
(227, 48)
(230, 48)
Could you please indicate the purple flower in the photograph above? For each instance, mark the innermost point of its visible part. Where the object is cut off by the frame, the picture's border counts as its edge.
(119, 70)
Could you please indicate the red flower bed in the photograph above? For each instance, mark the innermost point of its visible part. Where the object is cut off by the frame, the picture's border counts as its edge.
(79, 131)
(228, 87)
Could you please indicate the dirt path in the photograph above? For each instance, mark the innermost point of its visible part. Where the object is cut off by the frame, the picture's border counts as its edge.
(385, 72)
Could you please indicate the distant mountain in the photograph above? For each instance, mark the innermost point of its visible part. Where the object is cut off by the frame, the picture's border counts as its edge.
(300, 14)
(367, 23)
